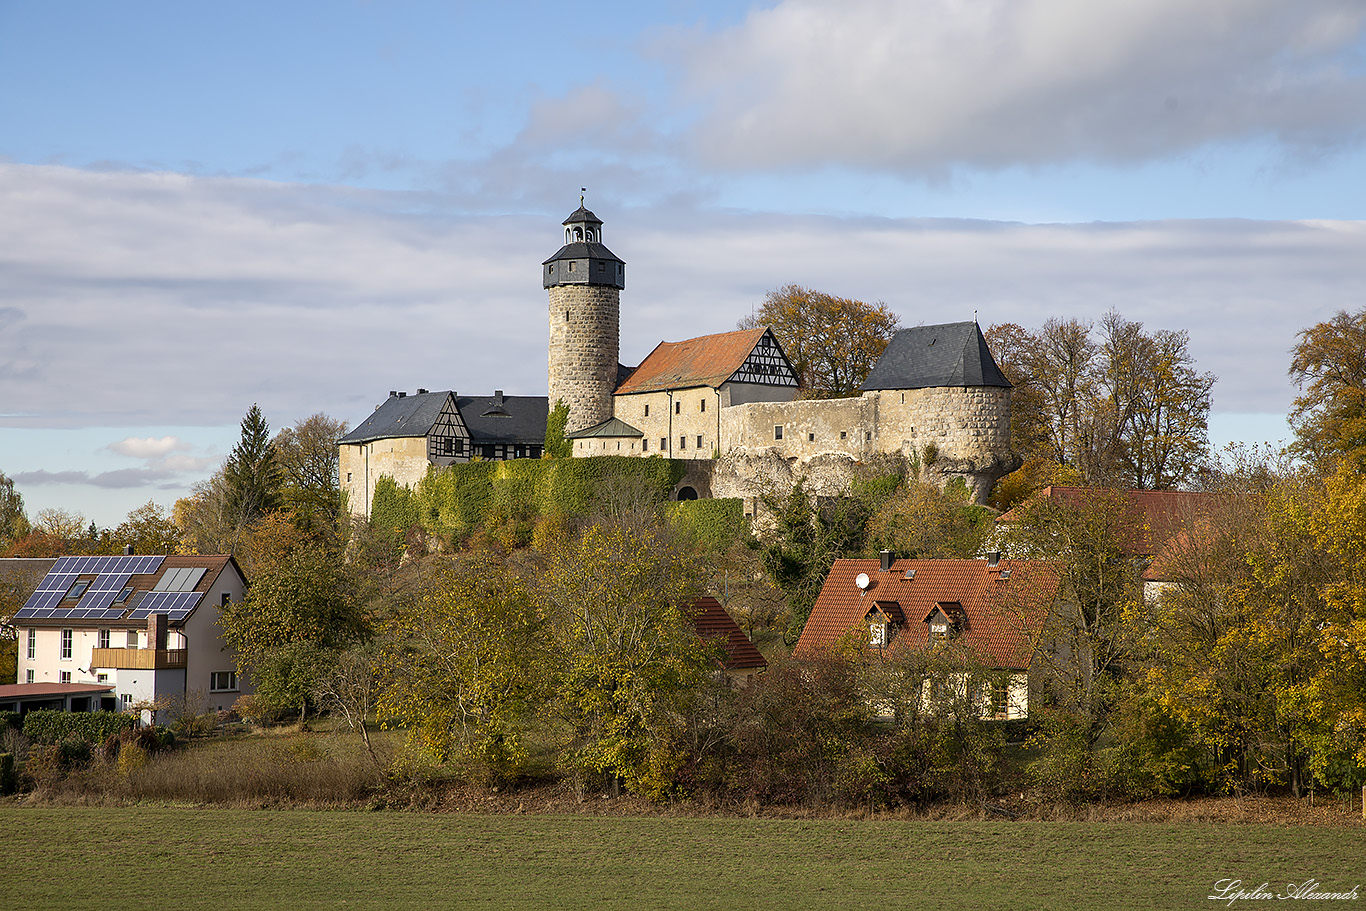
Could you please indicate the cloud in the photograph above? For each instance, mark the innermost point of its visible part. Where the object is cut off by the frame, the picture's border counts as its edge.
(120, 479)
(923, 87)
(147, 448)
(162, 301)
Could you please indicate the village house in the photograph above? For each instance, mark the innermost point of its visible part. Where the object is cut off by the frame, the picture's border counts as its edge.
(118, 632)
(715, 624)
(992, 610)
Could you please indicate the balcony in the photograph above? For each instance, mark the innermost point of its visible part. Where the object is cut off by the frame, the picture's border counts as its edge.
(138, 659)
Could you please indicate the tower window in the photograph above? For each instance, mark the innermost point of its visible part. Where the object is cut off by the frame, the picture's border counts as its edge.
(566, 316)
(811, 438)
(602, 267)
(777, 431)
(571, 266)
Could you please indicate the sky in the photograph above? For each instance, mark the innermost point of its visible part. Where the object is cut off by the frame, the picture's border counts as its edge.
(309, 204)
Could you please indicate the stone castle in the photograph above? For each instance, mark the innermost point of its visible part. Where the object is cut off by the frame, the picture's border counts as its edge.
(728, 403)
(936, 396)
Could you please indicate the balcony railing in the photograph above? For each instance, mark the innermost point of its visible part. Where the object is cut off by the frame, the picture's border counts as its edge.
(139, 659)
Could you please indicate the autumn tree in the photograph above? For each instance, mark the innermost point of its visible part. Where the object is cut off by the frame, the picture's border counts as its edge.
(308, 458)
(832, 342)
(921, 521)
(627, 657)
(464, 667)
(1329, 364)
(148, 530)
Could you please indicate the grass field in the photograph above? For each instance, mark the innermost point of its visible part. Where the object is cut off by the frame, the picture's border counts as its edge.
(152, 858)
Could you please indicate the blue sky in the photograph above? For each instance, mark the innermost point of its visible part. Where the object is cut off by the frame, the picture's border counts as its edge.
(305, 205)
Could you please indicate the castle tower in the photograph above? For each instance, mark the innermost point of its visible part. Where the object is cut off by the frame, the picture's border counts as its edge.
(584, 279)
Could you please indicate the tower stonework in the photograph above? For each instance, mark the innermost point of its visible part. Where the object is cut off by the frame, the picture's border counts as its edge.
(584, 280)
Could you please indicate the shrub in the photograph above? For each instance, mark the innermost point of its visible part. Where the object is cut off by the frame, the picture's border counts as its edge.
(11, 720)
(8, 780)
(51, 726)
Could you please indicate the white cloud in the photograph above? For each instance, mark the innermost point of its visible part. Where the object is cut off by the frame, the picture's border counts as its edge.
(147, 447)
(924, 86)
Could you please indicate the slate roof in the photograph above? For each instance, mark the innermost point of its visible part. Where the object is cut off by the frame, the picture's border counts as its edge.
(1003, 607)
(502, 418)
(708, 360)
(401, 416)
(613, 427)
(951, 354)
(713, 622)
(1151, 518)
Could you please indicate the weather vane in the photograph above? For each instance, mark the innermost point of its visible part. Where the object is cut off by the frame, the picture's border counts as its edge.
(582, 190)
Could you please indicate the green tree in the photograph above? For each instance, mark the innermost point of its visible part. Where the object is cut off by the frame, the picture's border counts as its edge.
(13, 523)
(148, 530)
(806, 538)
(833, 342)
(1329, 418)
(465, 667)
(252, 473)
(921, 521)
(627, 657)
(556, 445)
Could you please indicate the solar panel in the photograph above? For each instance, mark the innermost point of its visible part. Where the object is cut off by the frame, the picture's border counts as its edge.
(177, 605)
(113, 571)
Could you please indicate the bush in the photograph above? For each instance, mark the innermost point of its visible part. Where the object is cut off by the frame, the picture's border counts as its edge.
(52, 726)
(8, 780)
(11, 720)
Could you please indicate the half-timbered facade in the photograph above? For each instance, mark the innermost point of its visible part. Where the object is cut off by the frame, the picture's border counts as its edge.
(671, 404)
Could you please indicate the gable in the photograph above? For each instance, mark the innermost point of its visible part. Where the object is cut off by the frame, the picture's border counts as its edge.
(746, 355)
(402, 415)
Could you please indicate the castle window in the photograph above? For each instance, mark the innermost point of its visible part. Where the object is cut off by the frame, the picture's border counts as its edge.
(647, 409)
(704, 404)
(348, 477)
(682, 442)
(868, 436)
(844, 435)
(678, 407)
(699, 441)
(571, 266)
(811, 438)
(566, 316)
(644, 445)
(777, 431)
(663, 443)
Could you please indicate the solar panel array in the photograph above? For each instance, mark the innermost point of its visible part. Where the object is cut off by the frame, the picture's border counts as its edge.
(113, 573)
(175, 604)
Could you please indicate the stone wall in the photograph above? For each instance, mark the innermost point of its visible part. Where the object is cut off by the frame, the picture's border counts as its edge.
(360, 466)
(584, 345)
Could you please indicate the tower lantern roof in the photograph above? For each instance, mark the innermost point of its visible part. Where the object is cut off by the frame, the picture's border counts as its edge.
(581, 216)
(584, 259)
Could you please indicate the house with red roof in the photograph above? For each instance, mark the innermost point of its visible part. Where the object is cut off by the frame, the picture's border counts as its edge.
(715, 624)
(991, 610)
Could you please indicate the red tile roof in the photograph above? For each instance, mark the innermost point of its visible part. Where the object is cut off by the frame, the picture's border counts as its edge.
(1152, 517)
(713, 622)
(709, 360)
(1003, 607)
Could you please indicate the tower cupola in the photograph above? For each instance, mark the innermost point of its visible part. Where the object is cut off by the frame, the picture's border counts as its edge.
(583, 260)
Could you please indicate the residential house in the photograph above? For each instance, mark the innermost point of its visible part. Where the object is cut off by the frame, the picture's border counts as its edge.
(408, 434)
(994, 610)
(132, 630)
(713, 622)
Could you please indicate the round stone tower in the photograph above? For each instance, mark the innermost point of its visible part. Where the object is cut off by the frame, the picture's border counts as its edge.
(584, 279)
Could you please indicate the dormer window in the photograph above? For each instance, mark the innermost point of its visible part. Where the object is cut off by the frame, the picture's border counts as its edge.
(878, 632)
(883, 619)
(946, 621)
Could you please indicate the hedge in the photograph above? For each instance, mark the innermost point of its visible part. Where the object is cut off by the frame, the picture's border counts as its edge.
(710, 525)
(52, 726)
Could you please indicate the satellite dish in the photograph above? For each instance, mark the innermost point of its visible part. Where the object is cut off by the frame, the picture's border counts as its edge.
(862, 581)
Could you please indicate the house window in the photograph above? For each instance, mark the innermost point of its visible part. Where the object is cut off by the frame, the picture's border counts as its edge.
(127, 700)
(77, 589)
(64, 677)
(938, 632)
(32, 642)
(1000, 697)
(132, 638)
(777, 431)
(877, 632)
(28, 675)
(102, 678)
(66, 643)
(223, 682)
(103, 638)
(448, 446)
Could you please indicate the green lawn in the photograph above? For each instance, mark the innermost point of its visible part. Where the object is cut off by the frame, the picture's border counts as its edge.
(152, 858)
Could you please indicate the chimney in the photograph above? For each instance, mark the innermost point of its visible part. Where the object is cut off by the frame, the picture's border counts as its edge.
(886, 557)
(393, 393)
(498, 396)
(421, 391)
(403, 395)
(994, 559)
(127, 550)
(156, 631)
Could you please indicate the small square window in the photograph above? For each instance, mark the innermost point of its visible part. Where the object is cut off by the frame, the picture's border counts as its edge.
(102, 678)
(76, 590)
(571, 266)
(777, 431)
(844, 435)
(811, 438)
(65, 677)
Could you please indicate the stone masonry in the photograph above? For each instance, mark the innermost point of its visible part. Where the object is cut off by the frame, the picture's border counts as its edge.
(584, 339)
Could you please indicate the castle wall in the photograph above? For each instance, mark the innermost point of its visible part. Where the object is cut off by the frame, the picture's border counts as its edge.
(802, 429)
(360, 466)
(584, 340)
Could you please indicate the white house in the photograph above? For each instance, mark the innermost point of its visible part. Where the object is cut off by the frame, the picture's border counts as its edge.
(143, 628)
